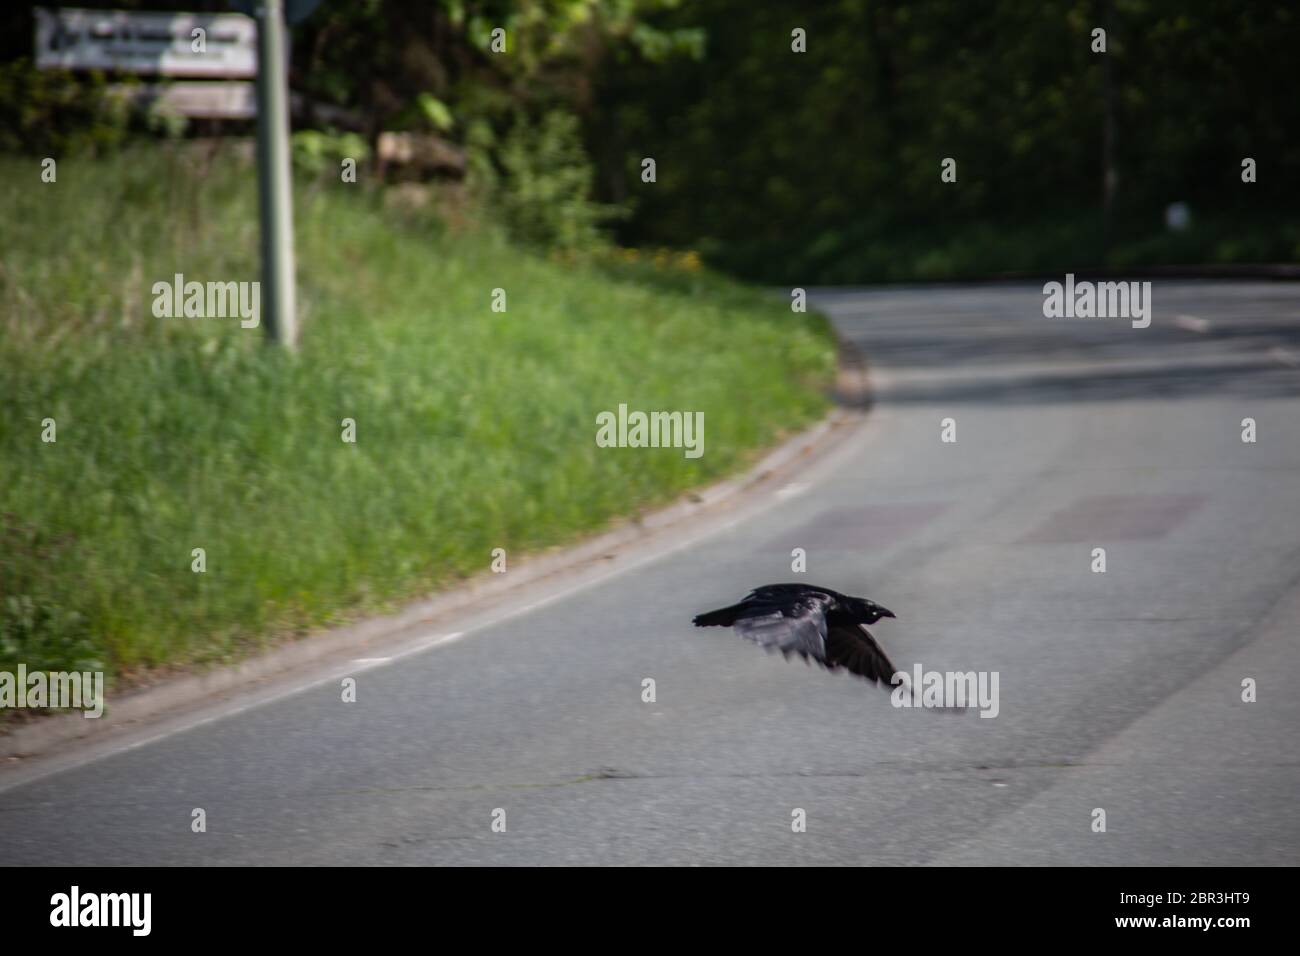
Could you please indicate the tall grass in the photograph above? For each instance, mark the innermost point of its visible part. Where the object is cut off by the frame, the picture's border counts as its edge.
(475, 429)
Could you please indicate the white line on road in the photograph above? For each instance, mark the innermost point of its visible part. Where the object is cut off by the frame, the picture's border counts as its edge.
(1192, 323)
(1285, 356)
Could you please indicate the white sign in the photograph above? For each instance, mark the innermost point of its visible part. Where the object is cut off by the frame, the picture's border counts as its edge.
(208, 99)
(167, 44)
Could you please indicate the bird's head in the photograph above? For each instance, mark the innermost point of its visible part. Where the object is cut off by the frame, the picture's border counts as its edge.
(872, 611)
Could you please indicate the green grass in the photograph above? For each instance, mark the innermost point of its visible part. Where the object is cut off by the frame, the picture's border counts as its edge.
(475, 429)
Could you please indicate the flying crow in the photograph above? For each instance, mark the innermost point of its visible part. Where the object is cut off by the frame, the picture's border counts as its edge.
(813, 622)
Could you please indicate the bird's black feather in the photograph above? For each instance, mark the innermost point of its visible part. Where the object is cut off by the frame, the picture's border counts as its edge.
(815, 623)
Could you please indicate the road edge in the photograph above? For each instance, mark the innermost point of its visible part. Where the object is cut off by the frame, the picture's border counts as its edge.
(173, 696)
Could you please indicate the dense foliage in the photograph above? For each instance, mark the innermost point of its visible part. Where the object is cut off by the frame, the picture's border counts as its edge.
(825, 165)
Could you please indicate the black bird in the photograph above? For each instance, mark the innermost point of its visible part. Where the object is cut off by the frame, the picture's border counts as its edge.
(815, 623)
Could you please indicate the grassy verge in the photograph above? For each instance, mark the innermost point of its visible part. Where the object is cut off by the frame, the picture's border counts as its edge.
(475, 429)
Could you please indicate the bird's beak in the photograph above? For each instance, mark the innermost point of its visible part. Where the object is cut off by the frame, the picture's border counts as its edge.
(885, 612)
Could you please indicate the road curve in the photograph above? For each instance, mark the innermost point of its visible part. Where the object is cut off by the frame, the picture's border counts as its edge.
(1119, 691)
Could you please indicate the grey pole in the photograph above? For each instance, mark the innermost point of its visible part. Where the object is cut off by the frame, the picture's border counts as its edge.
(274, 184)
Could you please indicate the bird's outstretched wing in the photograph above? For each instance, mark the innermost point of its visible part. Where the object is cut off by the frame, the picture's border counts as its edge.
(780, 593)
(852, 647)
(789, 623)
(814, 623)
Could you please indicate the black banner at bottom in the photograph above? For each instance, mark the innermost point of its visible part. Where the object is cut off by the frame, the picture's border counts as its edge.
(333, 905)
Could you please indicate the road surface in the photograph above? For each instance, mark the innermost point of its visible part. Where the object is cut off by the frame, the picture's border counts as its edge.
(1119, 691)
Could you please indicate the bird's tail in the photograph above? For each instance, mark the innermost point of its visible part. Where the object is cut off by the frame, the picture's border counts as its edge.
(722, 617)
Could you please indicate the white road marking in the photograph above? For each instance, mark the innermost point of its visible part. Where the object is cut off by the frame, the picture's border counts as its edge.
(432, 642)
(1285, 356)
(792, 489)
(1192, 323)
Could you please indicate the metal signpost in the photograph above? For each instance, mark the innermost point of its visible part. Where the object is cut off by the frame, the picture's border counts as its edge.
(274, 182)
(274, 185)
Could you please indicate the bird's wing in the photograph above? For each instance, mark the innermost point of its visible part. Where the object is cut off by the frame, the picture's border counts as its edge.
(783, 593)
(796, 625)
(851, 646)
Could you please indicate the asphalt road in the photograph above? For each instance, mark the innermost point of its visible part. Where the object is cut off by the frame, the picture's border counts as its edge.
(1118, 690)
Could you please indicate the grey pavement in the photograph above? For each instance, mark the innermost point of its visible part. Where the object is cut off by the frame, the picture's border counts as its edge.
(1118, 690)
